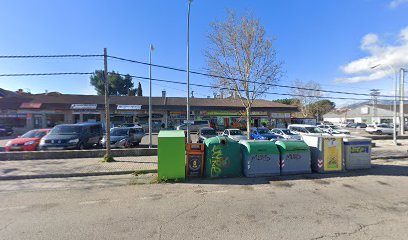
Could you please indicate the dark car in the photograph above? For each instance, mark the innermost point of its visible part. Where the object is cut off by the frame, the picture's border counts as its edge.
(204, 133)
(72, 136)
(263, 133)
(357, 125)
(6, 130)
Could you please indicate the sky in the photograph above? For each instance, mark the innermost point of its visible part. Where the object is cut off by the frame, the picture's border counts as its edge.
(335, 43)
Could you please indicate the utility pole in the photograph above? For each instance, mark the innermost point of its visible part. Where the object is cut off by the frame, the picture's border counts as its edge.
(188, 71)
(374, 96)
(150, 95)
(402, 118)
(107, 120)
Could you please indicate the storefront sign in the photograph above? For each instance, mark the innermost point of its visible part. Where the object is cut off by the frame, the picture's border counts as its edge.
(129, 107)
(232, 113)
(83, 106)
(30, 105)
(280, 115)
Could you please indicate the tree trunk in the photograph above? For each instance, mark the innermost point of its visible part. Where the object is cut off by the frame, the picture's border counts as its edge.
(248, 113)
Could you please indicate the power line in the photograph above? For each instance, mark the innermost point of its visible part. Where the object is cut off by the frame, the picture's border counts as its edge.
(52, 56)
(224, 88)
(44, 74)
(235, 79)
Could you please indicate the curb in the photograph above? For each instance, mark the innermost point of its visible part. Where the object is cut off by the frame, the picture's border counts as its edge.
(390, 157)
(69, 175)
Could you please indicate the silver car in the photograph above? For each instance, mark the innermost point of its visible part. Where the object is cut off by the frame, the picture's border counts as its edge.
(234, 134)
(286, 133)
(123, 137)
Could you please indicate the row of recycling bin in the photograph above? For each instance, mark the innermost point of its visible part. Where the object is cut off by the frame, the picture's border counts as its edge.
(224, 157)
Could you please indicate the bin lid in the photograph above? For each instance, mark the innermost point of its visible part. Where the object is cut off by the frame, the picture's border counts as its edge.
(357, 140)
(171, 133)
(292, 145)
(260, 147)
(219, 140)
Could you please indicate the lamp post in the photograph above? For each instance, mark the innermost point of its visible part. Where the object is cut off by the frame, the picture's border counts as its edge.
(188, 71)
(394, 135)
(150, 95)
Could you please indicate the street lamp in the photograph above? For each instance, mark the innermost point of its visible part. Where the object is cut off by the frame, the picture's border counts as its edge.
(188, 72)
(150, 95)
(394, 135)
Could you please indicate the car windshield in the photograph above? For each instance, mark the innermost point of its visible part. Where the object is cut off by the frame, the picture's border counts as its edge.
(34, 134)
(263, 130)
(287, 132)
(66, 130)
(208, 132)
(334, 127)
(119, 132)
(235, 132)
(313, 129)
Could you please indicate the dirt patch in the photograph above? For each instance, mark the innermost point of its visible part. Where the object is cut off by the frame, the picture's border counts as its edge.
(321, 181)
(282, 184)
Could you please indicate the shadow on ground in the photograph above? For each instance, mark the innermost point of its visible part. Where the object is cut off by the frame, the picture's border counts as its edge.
(375, 170)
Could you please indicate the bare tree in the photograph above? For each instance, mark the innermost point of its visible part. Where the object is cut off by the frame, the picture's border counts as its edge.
(308, 93)
(242, 59)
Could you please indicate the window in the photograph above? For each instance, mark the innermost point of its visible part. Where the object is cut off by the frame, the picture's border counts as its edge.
(132, 131)
(95, 129)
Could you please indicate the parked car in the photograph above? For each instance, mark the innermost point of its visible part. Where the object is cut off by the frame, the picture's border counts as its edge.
(29, 141)
(6, 130)
(204, 133)
(332, 129)
(305, 129)
(263, 133)
(380, 129)
(124, 137)
(286, 133)
(72, 136)
(195, 126)
(234, 134)
(357, 125)
(130, 125)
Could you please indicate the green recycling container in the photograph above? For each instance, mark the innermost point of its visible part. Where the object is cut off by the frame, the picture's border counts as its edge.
(222, 157)
(260, 158)
(295, 157)
(171, 155)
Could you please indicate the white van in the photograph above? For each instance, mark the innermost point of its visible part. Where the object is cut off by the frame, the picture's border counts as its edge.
(303, 129)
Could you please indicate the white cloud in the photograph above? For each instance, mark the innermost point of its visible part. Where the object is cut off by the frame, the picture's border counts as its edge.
(385, 57)
(397, 3)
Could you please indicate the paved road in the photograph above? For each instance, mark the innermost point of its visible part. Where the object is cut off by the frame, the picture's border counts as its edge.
(364, 205)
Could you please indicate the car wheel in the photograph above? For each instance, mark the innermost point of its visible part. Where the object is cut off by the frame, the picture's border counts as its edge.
(378, 132)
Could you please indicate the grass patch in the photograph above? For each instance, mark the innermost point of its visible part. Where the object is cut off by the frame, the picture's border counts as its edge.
(108, 158)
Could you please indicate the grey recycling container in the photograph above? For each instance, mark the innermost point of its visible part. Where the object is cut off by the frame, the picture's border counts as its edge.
(294, 157)
(260, 158)
(326, 153)
(357, 152)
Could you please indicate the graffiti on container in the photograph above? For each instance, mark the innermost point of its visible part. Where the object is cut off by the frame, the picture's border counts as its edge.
(359, 149)
(218, 161)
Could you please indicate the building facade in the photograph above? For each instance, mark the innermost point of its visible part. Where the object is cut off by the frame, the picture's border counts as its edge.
(31, 111)
(366, 114)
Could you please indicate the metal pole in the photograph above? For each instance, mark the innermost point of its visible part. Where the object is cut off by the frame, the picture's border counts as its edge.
(150, 96)
(402, 119)
(394, 135)
(107, 119)
(188, 71)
